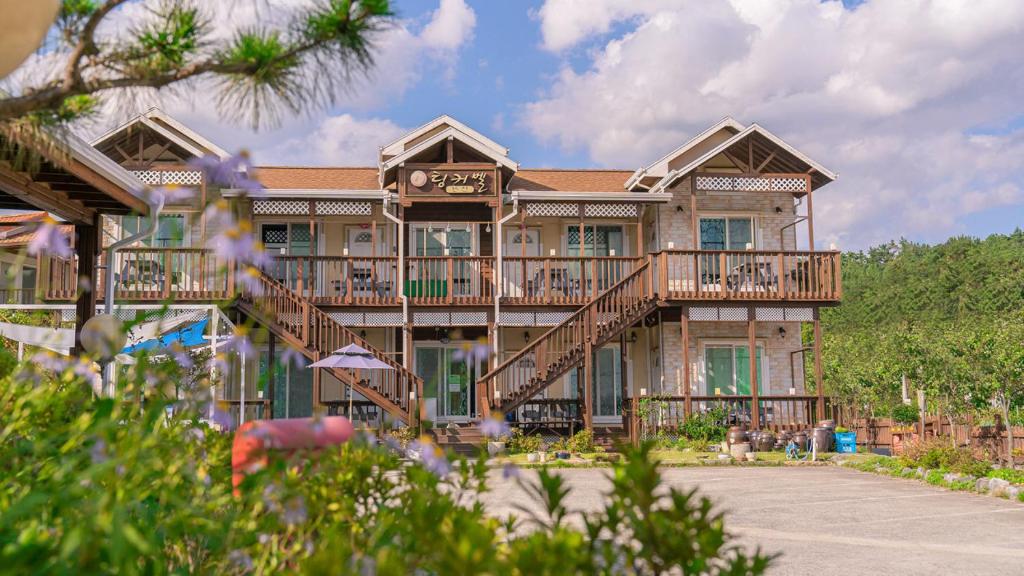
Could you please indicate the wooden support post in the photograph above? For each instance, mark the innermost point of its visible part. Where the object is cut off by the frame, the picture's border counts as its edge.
(818, 381)
(684, 325)
(624, 371)
(87, 242)
(588, 377)
(640, 244)
(810, 215)
(271, 374)
(694, 224)
(755, 408)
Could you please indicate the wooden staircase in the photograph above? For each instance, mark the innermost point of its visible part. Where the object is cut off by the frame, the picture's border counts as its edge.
(569, 344)
(311, 331)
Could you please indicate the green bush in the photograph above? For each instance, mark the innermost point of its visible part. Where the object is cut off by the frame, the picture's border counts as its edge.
(581, 442)
(707, 426)
(519, 443)
(1010, 475)
(938, 454)
(905, 413)
(117, 486)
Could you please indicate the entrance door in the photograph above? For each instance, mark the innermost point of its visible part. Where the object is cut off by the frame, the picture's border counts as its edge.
(517, 273)
(430, 277)
(448, 384)
(360, 249)
(289, 240)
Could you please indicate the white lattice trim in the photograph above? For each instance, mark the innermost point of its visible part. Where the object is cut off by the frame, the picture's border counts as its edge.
(518, 319)
(160, 177)
(557, 209)
(749, 184)
(718, 314)
(281, 207)
(551, 318)
(770, 314)
(610, 210)
(800, 314)
(343, 208)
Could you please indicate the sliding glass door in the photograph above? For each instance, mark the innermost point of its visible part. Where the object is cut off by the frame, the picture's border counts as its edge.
(448, 383)
(727, 369)
(723, 233)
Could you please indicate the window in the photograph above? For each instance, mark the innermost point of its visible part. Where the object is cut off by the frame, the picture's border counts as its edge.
(727, 233)
(597, 240)
(727, 368)
(170, 231)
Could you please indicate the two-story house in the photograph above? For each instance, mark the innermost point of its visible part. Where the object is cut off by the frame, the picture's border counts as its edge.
(587, 289)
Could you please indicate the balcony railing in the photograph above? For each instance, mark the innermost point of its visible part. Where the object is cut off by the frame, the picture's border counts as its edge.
(148, 274)
(556, 281)
(194, 274)
(749, 275)
(775, 412)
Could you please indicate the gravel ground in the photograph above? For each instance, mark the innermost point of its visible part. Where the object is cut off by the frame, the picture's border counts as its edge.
(830, 520)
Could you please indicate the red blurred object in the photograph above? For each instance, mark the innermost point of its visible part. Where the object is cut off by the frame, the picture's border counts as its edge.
(254, 439)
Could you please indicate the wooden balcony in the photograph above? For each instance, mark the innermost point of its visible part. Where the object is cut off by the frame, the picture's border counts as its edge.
(194, 274)
(749, 275)
(147, 274)
(561, 281)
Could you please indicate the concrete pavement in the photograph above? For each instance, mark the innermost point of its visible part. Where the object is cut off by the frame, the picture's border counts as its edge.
(830, 520)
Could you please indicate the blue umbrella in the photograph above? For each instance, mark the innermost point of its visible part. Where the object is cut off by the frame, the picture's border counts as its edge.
(188, 336)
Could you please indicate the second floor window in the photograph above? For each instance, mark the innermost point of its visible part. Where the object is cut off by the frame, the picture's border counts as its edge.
(171, 231)
(597, 240)
(726, 233)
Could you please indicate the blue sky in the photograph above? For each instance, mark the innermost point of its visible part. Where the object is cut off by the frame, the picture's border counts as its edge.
(917, 103)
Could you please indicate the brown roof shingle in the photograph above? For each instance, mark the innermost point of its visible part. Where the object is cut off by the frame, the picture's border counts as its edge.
(570, 180)
(315, 178)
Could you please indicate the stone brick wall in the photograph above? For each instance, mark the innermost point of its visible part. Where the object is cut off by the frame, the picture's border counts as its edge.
(778, 349)
(674, 217)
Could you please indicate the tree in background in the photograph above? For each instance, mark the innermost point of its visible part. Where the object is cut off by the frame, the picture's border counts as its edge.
(291, 61)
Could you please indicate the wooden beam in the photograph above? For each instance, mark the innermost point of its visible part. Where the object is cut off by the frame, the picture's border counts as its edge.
(87, 244)
(765, 163)
(755, 408)
(684, 329)
(694, 231)
(624, 372)
(739, 163)
(818, 379)
(271, 371)
(23, 187)
(587, 380)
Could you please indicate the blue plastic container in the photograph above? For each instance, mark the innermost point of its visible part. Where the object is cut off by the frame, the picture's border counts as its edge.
(846, 442)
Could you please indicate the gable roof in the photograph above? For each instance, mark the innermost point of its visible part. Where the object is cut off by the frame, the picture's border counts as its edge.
(660, 167)
(450, 132)
(436, 125)
(166, 127)
(797, 161)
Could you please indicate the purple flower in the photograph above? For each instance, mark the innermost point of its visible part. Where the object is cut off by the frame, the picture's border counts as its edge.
(239, 244)
(392, 443)
(432, 457)
(218, 215)
(240, 560)
(172, 194)
(239, 343)
(292, 356)
(181, 357)
(510, 471)
(98, 452)
(494, 428)
(248, 279)
(50, 240)
(218, 418)
(471, 352)
(234, 172)
(294, 512)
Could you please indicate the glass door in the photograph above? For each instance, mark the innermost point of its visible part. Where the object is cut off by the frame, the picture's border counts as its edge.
(723, 233)
(606, 389)
(289, 240)
(430, 277)
(599, 241)
(448, 383)
(518, 275)
(727, 368)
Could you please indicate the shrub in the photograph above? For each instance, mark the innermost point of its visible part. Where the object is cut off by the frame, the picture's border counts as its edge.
(1010, 475)
(937, 453)
(582, 441)
(842, 429)
(404, 436)
(110, 486)
(520, 443)
(905, 414)
(707, 426)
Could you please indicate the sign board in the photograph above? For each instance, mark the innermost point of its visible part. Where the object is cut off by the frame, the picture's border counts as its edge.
(450, 180)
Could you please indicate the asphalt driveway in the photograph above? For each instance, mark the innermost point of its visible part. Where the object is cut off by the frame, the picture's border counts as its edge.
(830, 520)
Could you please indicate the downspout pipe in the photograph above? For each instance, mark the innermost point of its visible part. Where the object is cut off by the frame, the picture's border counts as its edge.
(156, 206)
(499, 271)
(401, 275)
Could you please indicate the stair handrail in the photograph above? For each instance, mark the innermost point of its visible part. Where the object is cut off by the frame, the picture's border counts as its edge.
(576, 316)
(272, 288)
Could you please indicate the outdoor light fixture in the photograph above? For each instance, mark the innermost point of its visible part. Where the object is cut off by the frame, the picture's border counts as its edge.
(488, 228)
(778, 210)
(671, 245)
(526, 336)
(782, 332)
(679, 208)
(22, 30)
(632, 338)
(362, 334)
(444, 337)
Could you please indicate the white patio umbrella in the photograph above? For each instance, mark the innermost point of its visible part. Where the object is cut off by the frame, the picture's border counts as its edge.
(355, 358)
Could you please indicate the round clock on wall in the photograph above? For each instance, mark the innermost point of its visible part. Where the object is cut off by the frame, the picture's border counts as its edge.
(418, 178)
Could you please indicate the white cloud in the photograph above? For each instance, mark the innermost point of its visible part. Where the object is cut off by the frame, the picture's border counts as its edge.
(337, 141)
(887, 94)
